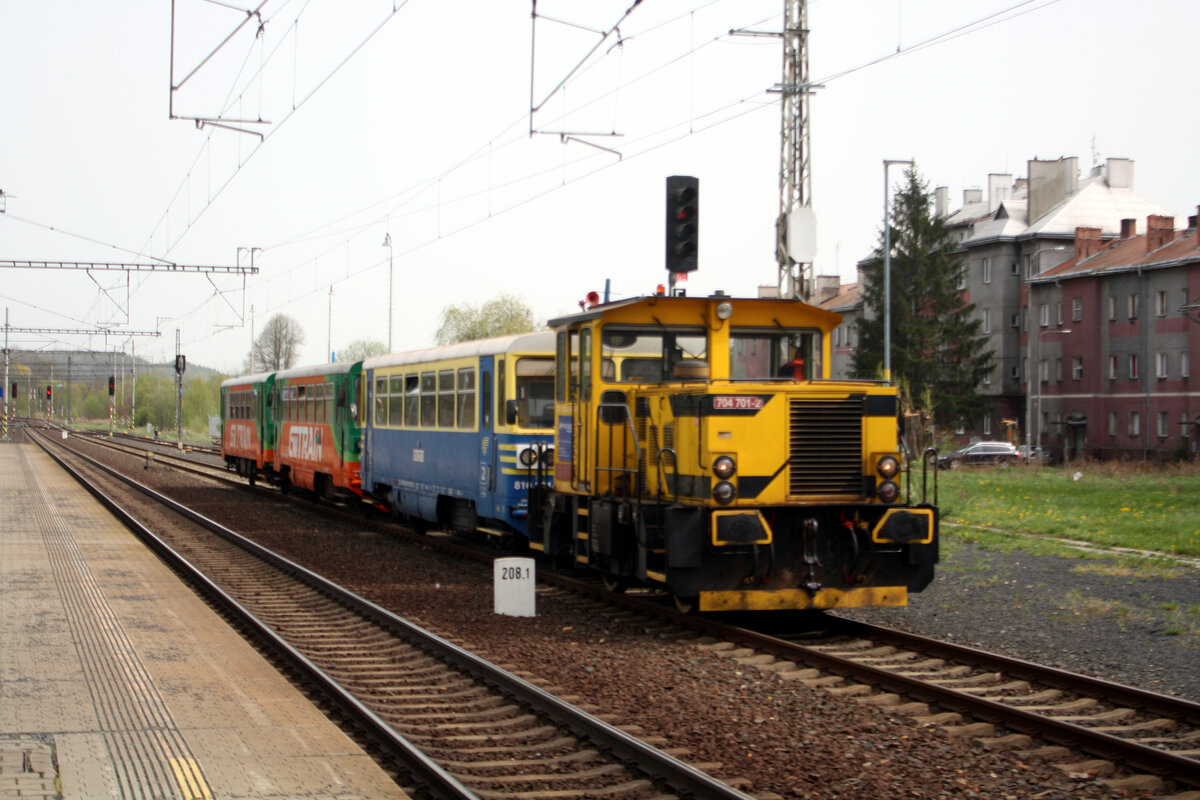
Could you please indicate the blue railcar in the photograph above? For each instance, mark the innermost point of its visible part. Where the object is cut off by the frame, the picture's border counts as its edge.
(456, 436)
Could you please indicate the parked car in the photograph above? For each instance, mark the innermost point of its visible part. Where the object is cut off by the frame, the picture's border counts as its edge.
(999, 453)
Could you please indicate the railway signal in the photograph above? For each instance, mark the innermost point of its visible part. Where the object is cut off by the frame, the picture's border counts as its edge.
(112, 385)
(683, 223)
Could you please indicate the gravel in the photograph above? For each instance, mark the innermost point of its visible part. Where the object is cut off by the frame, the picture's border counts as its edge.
(768, 734)
(1096, 616)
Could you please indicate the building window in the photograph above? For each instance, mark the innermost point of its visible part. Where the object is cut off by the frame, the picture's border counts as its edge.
(1015, 321)
(1160, 305)
(960, 430)
(1058, 370)
(962, 279)
(987, 320)
(1024, 370)
(1077, 368)
(987, 426)
(1112, 307)
(1133, 306)
(1160, 365)
(1016, 268)
(1163, 425)
(1112, 368)
(987, 379)
(1135, 423)
(1076, 309)
(1112, 423)
(987, 270)
(1058, 313)
(1044, 313)
(1133, 367)
(1185, 424)
(1043, 371)
(1184, 366)
(1012, 371)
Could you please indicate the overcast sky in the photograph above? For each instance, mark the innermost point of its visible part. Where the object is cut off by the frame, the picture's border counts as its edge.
(415, 123)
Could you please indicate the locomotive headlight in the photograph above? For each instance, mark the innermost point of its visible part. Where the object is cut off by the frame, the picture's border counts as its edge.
(548, 457)
(527, 458)
(888, 466)
(888, 491)
(724, 467)
(724, 493)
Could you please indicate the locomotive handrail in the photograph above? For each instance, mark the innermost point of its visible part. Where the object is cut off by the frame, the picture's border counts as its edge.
(637, 448)
(930, 457)
(674, 466)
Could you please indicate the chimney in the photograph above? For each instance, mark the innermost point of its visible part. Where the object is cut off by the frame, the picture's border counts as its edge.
(1087, 242)
(999, 187)
(972, 196)
(1159, 231)
(1050, 183)
(1128, 228)
(1119, 173)
(941, 201)
(828, 287)
(1196, 225)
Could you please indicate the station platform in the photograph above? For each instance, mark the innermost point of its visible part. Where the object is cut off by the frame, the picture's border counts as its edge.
(117, 681)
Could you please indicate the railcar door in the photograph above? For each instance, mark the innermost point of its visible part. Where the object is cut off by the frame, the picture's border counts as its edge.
(487, 436)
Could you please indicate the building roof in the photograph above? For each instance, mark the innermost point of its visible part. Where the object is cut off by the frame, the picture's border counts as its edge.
(847, 299)
(1094, 204)
(1182, 246)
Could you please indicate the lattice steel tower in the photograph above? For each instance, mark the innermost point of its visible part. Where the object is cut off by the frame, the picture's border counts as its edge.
(795, 175)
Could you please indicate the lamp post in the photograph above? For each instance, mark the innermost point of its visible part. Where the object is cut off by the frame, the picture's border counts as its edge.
(387, 242)
(887, 273)
(1037, 439)
(1030, 323)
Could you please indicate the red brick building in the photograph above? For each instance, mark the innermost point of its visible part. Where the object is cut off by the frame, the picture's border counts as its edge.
(1109, 345)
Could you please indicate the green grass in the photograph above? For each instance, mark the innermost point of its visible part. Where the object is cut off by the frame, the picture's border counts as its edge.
(1113, 505)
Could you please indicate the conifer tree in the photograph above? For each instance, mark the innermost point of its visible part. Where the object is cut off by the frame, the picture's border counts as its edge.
(938, 348)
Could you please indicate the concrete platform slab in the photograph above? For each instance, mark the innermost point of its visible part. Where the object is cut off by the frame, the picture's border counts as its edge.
(117, 681)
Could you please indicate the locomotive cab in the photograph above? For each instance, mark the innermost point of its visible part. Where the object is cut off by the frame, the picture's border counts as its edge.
(702, 448)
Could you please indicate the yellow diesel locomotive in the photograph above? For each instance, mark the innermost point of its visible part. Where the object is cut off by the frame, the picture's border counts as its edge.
(701, 447)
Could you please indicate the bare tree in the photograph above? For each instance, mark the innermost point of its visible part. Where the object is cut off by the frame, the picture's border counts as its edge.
(507, 314)
(276, 347)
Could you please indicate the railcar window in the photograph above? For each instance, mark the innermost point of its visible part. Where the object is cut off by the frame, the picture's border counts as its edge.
(767, 354)
(445, 399)
(466, 398)
(535, 392)
(412, 400)
(652, 355)
(428, 399)
(381, 401)
(396, 401)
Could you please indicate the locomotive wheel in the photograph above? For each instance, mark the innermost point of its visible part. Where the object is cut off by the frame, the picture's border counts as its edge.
(684, 605)
(615, 583)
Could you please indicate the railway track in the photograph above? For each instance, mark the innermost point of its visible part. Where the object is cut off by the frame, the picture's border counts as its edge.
(456, 725)
(1108, 729)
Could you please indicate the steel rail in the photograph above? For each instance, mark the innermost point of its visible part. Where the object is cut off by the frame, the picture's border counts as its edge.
(438, 781)
(677, 774)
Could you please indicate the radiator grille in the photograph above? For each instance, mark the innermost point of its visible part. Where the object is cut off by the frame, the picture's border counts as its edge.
(825, 446)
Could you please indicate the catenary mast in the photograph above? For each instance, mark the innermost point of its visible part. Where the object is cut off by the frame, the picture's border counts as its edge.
(795, 174)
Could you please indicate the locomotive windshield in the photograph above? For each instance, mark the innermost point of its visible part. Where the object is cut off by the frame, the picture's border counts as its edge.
(654, 355)
(761, 354)
(535, 392)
